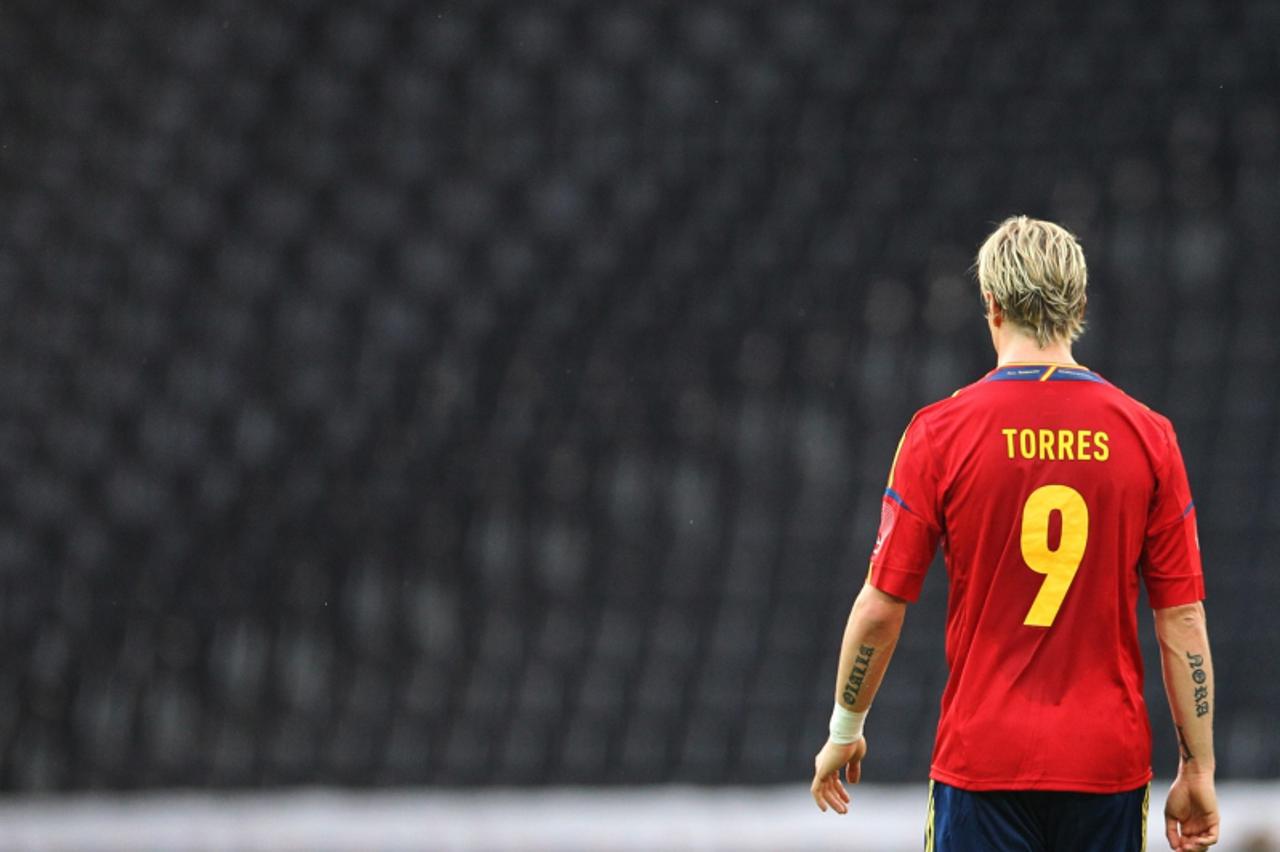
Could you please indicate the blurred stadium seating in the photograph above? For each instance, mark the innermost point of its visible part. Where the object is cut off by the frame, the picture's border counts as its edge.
(408, 393)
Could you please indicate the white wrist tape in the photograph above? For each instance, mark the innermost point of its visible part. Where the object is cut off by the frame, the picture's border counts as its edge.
(846, 725)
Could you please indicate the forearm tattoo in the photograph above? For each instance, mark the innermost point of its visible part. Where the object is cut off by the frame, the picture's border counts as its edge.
(1200, 677)
(1182, 745)
(853, 686)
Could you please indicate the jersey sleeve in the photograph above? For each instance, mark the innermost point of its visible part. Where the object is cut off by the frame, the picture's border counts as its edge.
(1171, 566)
(909, 520)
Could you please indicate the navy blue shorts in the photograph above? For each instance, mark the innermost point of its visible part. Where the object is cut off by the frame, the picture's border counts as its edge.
(1035, 820)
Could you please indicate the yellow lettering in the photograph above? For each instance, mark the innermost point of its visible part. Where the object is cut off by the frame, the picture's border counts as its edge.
(1027, 443)
(1057, 444)
(1100, 441)
(1058, 566)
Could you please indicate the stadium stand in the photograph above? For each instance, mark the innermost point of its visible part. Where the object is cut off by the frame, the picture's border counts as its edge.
(453, 394)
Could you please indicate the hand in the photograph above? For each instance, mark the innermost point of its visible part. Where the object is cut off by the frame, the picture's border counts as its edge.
(1191, 813)
(826, 787)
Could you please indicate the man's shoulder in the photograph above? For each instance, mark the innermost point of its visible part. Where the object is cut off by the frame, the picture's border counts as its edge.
(1137, 408)
(954, 403)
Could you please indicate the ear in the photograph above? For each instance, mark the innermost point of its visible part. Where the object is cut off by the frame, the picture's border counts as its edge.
(993, 310)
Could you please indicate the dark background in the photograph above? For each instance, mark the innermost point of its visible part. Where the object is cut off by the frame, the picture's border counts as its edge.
(473, 393)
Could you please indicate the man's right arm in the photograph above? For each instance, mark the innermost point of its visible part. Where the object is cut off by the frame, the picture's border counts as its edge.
(1191, 814)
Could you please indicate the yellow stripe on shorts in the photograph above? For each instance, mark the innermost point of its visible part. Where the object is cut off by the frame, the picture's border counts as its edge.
(1146, 805)
(928, 821)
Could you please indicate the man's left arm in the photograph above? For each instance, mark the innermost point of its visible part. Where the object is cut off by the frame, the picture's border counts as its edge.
(870, 635)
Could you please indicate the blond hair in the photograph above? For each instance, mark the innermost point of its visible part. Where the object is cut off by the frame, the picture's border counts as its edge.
(1035, 272)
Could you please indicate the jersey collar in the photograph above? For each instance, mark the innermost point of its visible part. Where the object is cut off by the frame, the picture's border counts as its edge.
(1043, 373)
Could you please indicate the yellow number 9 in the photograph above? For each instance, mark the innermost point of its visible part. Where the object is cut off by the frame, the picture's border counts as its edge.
(1059, 565)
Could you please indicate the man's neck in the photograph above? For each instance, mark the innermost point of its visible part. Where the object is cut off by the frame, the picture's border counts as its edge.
(1023, 350)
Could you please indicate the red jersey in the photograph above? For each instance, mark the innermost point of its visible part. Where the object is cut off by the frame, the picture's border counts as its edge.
(1052, 492)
